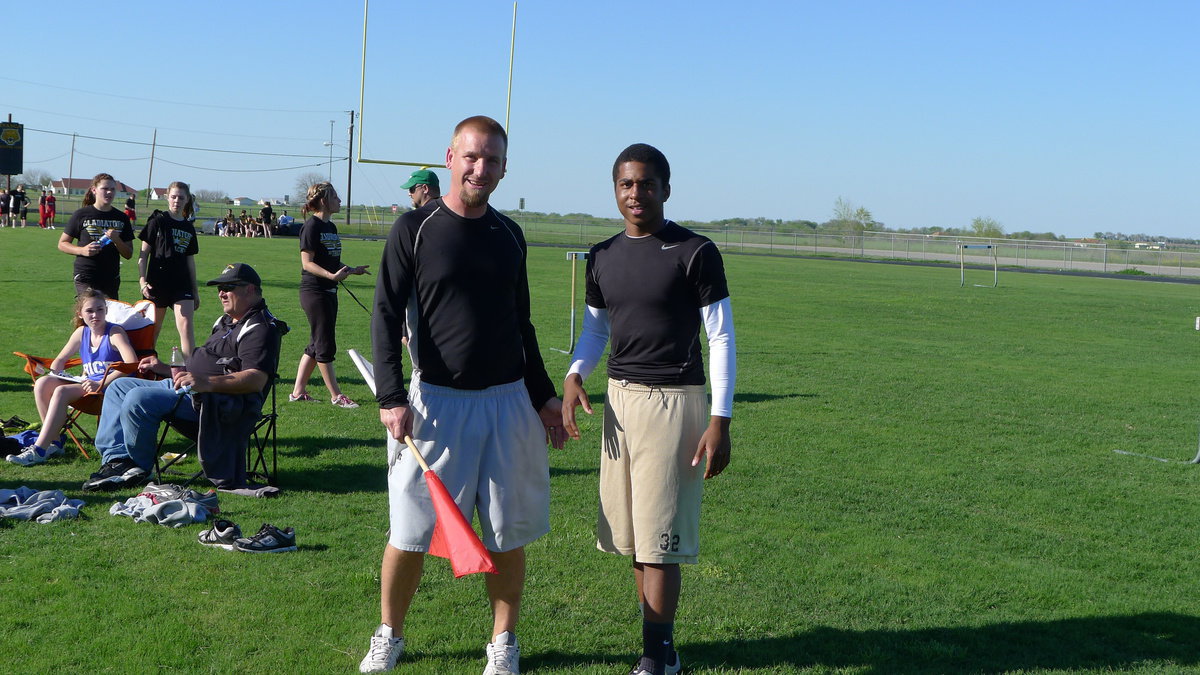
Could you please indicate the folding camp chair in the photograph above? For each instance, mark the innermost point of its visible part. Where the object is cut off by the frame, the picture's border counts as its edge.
(263, 435)
(138, 321)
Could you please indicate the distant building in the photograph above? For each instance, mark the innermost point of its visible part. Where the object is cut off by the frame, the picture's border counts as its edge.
(243, 201)
(158, 193)
(78, 186)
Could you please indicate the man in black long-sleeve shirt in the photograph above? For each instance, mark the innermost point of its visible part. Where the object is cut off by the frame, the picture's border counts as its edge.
(481, 403)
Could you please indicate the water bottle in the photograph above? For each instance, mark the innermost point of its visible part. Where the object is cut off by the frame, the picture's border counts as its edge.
(104, 241)
(177, 362)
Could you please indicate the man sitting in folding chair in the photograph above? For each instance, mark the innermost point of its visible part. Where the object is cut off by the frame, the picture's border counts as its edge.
(222, 388)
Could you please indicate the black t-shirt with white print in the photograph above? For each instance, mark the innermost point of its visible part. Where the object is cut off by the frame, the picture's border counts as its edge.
(89, 224)
(320, 238)
(171, 241)
(653, 288)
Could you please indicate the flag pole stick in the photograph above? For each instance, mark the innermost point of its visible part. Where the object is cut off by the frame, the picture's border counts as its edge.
(416, 453)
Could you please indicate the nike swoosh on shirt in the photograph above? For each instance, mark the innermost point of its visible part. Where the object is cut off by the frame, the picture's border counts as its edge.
(666, 248)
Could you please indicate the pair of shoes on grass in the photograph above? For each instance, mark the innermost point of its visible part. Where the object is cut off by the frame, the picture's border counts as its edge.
(503, 654)
(270, 539)
(116, 474)
(32, 454)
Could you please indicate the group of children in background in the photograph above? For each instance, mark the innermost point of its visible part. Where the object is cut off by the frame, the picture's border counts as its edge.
(14, 207)
(99, 235)
(246, 225)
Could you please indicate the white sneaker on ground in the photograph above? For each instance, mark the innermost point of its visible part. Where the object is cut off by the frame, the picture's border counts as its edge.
(343, 401)
(32, 454)
(384, 652)
(504, 656)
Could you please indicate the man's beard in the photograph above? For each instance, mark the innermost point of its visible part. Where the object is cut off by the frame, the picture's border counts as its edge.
(474, 198)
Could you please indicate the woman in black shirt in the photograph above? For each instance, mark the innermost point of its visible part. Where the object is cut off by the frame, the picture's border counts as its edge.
(321, 270)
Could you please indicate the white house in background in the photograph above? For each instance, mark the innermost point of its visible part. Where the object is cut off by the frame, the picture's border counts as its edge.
(78, 186)
(243, 201)
(158, 193)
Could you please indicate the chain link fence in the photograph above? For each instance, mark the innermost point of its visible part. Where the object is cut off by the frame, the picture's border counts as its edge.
(1056, 255)
(549, 229)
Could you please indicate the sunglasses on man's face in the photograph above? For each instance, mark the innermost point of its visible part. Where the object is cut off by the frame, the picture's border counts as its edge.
(228, 288)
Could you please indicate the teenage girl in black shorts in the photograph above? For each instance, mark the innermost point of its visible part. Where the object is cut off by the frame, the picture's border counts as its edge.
(167, 264)
(321, 272)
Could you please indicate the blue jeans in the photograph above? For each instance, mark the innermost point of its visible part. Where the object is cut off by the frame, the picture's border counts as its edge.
(129, 419)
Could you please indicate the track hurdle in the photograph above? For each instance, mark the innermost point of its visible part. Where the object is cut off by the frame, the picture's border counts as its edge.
(572, 256)
(962, 267)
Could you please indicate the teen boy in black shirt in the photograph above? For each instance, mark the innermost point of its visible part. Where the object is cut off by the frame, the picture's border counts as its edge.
(650, 288)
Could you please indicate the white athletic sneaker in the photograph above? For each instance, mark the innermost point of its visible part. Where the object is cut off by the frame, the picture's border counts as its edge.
(343, 401)
(384, 652)
(30, 455)
(504, 655)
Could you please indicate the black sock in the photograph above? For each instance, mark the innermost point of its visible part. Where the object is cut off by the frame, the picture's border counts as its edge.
(657, 645)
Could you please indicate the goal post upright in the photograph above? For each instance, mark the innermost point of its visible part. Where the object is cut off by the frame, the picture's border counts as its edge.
(962, 266)
(362, 87)
(573, 256)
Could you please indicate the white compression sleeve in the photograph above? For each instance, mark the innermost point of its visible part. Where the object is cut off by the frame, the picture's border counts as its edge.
(722, 355)
(591, 343)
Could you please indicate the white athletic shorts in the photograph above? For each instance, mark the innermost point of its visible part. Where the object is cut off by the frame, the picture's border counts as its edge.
(489, 448)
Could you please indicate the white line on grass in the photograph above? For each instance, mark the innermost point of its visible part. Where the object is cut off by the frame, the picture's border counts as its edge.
(1157, 459)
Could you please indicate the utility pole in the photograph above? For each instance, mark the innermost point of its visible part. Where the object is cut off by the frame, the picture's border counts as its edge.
(150, 178)
(349, 168)
(330, 151)
(70, 169)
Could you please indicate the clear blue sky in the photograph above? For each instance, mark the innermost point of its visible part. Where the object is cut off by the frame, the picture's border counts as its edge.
(1072, 117)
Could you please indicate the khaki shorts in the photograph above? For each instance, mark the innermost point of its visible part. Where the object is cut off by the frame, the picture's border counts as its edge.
(649, 491)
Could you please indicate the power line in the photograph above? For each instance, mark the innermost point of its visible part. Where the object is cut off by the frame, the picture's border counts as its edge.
(112, 159)
(176, 147)
(43, 161)
(150, 126)
(206, 168)
(189, 104)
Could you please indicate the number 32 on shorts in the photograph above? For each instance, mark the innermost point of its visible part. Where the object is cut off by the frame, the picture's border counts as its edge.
(669, 541)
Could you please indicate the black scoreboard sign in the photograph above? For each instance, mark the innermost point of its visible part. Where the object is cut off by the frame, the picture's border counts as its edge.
(12, 148)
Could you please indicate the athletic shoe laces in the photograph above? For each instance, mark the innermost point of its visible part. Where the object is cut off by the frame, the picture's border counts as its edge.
(381, 650)
(343, 401)
(503, 658)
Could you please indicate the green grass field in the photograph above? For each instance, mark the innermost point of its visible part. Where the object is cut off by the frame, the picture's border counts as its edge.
(923, 480)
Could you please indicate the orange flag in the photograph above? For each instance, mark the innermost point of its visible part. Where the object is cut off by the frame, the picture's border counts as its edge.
(453, 536)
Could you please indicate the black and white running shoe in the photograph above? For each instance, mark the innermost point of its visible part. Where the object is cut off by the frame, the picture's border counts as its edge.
(224, 534)
(112, 468)
(269, 539)
(117, 474)
(165, 492)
